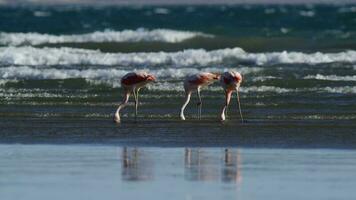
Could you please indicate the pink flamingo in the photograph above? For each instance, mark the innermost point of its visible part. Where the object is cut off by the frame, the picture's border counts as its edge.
(230, 81)
(132, 83)
(195, 82)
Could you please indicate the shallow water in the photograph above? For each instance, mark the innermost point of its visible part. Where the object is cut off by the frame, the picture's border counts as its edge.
(294, 66)
(111, 172)
(60, 70)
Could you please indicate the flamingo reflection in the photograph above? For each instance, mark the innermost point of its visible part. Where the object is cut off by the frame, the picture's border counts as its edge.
(202, 166)
(231, 172)
(136, 166)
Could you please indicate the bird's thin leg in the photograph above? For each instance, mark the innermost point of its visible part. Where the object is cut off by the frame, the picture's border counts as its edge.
(227, 105)
(122, 105)
(135, 97)
(238, 103)
(199, 103)
(187, 99)
(136, 105)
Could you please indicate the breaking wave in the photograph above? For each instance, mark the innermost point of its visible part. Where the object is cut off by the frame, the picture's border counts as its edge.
(72, 56)
(107, 75)
(138, 35)
(331, 77)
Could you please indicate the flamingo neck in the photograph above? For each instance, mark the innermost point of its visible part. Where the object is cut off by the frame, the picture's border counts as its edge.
(117, 114)
(222, 116)
(184, 105)
(122, 104)
(227, 102)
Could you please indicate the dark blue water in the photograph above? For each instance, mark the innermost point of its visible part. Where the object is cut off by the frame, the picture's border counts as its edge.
(250, 20)
(307, 27)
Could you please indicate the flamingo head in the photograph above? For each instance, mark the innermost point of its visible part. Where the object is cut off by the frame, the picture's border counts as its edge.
(216, 76)
(150, 78)
(238, 78)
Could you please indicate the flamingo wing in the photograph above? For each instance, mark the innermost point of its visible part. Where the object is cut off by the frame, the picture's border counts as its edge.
(227, 80)
(199, 79)
(133, 78)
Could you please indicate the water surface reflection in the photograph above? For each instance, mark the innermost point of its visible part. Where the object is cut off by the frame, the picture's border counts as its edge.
(199, 164)
(137, 165)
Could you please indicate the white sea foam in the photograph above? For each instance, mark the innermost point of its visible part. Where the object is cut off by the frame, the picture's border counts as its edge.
(138, 35)
(307, 13)
(69, 56)
(161, 11)
(166, 86)
(106, 75)
(264, 78)
(4, 81)
(341, 90)
(270, 11)
(264, 88)
(26, 72)
(331, 77)
(41, 14)
(30, 93)
(348, 9)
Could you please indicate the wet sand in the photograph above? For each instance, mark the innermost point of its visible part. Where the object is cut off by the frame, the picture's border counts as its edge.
(331, 134)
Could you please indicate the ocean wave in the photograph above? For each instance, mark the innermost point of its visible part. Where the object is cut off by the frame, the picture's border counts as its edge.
(331, 77)
(307, 13)
(264, 78)
(72, 56)
(348, 9)
(166, 86)
(314, 117)
(341, 90)
(15, 93)
(5, 81)
(176, 86)
(138, 35)
(107, 75)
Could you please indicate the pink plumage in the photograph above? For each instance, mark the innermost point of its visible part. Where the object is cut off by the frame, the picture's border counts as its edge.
(132, 83)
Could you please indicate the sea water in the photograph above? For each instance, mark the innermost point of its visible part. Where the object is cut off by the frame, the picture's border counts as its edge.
(60, 70)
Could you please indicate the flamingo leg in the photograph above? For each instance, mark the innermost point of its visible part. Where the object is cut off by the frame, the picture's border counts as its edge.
(136, 108)
(135, 98)
(199, 104)
(135, 93)
(187, 99)
(124, 102)
(227, 105)
(238, 103)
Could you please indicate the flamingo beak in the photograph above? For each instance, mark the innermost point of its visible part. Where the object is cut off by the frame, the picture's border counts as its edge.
(217, 76)
(152, 78)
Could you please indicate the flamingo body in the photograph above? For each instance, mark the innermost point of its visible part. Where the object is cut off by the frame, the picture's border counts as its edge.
(195, 82)
(132, 82)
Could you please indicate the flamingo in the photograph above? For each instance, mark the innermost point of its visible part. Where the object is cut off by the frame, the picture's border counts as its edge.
(230, 81)
(132, 83)
(195, 82)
